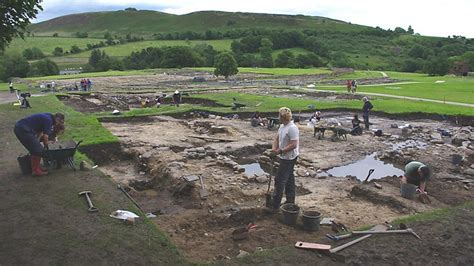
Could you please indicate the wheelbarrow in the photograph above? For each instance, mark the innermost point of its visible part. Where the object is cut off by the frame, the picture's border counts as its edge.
(58, 153)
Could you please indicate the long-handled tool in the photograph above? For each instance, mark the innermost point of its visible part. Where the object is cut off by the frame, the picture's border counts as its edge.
(377, 228)
(203, 194)
(129, 197)
(406, 231)
(341, 247)
(89, 202)
(368, 175)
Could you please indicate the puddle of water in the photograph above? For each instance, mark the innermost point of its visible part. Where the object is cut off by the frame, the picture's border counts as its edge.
(409, 144)
(361, 168)
(253, 169)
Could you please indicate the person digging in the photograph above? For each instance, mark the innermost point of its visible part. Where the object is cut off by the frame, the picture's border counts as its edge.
(286, 147)
(417, 173)
(34, 129)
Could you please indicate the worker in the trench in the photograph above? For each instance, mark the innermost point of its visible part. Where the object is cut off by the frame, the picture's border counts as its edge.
(365, 111)
(34, 129)
(286, 146)
(418, 174)
(177, 98)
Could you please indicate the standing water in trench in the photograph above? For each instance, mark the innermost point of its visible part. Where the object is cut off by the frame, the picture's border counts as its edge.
(253, 169)
(361, 168)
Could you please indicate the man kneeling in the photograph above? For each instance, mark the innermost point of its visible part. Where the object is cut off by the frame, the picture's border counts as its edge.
(418, 174)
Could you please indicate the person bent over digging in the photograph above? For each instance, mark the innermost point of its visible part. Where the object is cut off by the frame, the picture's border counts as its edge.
(34, 129)
(286, 146)
(418, 174)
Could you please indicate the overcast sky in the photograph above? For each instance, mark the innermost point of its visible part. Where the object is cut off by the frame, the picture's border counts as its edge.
(432, 18)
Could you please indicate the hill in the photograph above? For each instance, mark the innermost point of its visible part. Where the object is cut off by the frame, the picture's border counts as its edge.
(147, 23)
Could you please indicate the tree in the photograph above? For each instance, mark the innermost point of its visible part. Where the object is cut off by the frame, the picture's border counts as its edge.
(437, 65)
(410, 30)
(285, 59)
(15, 16)
(75, 49)
(308, 60)
(417, 51)
(33, 53)
(225, 65)
(15, 65)
(44, 67)
(58, 51)
(266, 59)
(411, 65)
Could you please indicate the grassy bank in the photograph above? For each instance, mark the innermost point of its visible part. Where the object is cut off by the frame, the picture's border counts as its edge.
(48, 223)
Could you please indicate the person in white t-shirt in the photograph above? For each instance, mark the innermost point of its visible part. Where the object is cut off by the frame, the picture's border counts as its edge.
(286, 146)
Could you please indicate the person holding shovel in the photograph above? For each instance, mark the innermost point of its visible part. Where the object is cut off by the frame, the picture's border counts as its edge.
(34, 129)
(286, 146)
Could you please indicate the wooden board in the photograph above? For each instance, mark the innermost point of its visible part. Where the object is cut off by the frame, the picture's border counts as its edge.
(312, 246)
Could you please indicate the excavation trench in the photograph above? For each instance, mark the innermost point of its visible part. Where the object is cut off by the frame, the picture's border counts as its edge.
(233, 159)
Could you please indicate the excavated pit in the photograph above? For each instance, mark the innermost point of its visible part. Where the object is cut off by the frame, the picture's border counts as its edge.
(234, 161)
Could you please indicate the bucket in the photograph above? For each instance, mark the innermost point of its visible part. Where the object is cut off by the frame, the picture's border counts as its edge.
(311, 220)
(408, 191)
(290, 213)
(25, 164)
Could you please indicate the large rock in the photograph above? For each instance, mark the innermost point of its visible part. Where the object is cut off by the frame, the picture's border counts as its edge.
(459, 138)
(436, 136)
(469, 171)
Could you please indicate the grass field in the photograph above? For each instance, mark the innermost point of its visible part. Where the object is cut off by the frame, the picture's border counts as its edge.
(47, 44)
(455, 89)
(19, 86)
(126, 49)
(392, 106)
(272, 104)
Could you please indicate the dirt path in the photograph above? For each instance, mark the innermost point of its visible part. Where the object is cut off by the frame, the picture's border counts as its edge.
(7, 97)
(45, 222)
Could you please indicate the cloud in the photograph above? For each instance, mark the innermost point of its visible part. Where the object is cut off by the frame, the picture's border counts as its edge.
(436, 17)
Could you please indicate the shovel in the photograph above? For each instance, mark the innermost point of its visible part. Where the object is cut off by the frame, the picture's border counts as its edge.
(203, 194)
(368, 175)
(268, 196)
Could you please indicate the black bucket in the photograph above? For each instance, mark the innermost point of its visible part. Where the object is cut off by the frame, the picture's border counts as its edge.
(290, 213)
(311, 220)
(25, 164)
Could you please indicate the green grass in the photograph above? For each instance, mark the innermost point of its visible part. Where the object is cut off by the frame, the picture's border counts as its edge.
(126, 49)
(47, 44)
(434, 215)
(19, 86)
(455, 89)
(392, 106)
(78, 126)
(146, 23)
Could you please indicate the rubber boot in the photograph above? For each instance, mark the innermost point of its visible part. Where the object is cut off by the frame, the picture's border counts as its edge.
(36, 167)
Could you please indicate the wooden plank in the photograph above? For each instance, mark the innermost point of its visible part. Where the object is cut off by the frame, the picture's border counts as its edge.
(312, 246)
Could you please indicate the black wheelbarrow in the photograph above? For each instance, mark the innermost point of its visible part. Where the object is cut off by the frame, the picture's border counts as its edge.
(59, 153)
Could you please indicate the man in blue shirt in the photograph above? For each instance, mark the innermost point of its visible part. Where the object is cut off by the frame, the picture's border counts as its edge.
(34, 129)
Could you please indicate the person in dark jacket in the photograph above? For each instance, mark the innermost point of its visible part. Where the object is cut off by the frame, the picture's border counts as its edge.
(365, 111)
(177, 98)
(34, 129)
(356, 129)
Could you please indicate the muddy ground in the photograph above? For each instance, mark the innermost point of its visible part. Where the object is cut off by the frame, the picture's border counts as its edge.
(166, 149)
